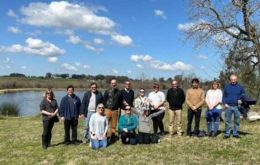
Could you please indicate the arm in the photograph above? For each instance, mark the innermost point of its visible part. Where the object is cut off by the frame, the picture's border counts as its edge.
(202, 99)
(83, 105)
(157, 113)
(62, 107)
(105, 98)
(133, 126)
(136, 111)
(121, 124)
(43, 109)
(106, 128)
(188, 99)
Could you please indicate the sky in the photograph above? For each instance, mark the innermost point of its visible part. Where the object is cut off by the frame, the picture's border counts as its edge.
(131, 38)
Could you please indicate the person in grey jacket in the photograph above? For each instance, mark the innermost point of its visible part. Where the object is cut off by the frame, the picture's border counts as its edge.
(88, 107)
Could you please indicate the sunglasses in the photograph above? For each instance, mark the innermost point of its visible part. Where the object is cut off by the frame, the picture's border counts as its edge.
(101, 107)
(141, 91)
(128, 109)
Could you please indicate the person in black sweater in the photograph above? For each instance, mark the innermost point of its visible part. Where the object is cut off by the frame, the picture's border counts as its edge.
(126, 97)
(176, 97)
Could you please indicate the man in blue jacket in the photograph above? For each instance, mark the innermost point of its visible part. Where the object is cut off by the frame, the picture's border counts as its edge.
(69, 113)
(88, 107)
(232, 95)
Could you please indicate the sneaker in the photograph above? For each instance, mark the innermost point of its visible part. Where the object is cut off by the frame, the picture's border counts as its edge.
(226, 137)
(44, 147)
(236, 136)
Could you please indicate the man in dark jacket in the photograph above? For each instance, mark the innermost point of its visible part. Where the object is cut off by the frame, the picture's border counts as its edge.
(69, 113)
(127, 97)
(176, 97)
(112, 103)
(88, 107)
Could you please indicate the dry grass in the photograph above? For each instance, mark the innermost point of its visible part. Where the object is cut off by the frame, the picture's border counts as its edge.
(21, 144)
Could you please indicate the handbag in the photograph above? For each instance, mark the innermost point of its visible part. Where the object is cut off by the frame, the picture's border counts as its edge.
(56, 119)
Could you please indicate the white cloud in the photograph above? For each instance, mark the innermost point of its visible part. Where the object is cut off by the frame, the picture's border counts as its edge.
(24, 67)
(122, 40)
(144, 58)
(36, 47)
(74, 39)
(185, 27)
(202, 57)
(160, 13)
(160, 65)
(98, 41)
(139, 66)
(115, 71)
(203, 67)
(34, 33)
(93, 48)
(53, 59)
(13, 29)
(129, 72)
(69, 67)
(7, 60)
(86, 66)
(11, 13)
(77, 63)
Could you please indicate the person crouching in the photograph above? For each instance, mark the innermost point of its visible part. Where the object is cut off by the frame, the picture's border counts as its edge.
(127, 125)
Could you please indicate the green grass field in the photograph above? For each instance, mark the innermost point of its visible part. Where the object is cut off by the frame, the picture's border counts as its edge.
(21, 144)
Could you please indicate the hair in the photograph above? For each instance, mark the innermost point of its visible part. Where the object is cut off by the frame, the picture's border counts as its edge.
(215, 82)
(141, 89)
(98, 106)
(156, 85)
(93, 83)
(195, 80)
(70, 86)
(49, 90)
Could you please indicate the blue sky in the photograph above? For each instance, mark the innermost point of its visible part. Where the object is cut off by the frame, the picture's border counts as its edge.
(115, 37)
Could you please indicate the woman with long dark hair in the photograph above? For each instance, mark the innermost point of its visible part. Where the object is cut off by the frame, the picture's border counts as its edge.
(49, 110)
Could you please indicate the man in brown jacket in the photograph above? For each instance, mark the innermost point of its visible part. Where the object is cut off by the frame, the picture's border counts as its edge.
(194, 99)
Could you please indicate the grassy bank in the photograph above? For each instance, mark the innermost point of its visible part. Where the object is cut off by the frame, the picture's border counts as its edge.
(21, 144)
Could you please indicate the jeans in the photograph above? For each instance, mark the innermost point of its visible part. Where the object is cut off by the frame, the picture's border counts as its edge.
(158, 121)
(213, 116)
(46, 135)
(197, 115)
(228, 115)
(73, 124)
(87, 119)
(96, 144)
(129, 138)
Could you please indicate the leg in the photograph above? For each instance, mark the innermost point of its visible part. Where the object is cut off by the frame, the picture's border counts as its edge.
(236, 121)
(67, 131)
(216, 117)
(228, 115)
(160, 122)
(114, 120)
(94, 144)
(171, 123)
(45, 133)
(103, 143)
(190, 118)
(108, 115)
(74, 127)
(197, 121)
(50, 126)
(141, 138)
(124, 137)
(87, 119)
(209, 120)
(178, 119)
(155, 124)
(133, 139)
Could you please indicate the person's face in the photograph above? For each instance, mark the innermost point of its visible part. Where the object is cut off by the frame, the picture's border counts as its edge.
(100, 109)
(113, 83)
(215, 86)
(142, 93)
(155, 88)
(233, 79)
(93, 88)
(70, 91)
(49, 95)
(195, 85)
(174, 84)
(127, 85)
(128, 110)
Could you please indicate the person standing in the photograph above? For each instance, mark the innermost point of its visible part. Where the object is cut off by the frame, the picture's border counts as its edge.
(88, 107)
(49, 110)
(69, 113)
(126, 97)
(157, 99)
(98, 127)
(142, 101)
(232, 95)
(213, 114)
(127, 125)
(195, 99)
(111, 102)
(176, 97)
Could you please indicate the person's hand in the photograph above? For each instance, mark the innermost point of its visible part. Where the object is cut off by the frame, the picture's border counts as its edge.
(194, 108)
(62, 118)
(226, 106)
(93, 135)
(125, 130)
(82, 116)
(239, 102)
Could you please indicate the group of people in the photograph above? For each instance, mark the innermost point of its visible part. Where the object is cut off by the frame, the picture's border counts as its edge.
(135, 117)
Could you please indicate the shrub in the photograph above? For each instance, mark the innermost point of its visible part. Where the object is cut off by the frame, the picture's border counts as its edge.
(9, 109)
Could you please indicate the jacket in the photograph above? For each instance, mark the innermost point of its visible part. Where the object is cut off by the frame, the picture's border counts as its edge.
(64, 110)
(86, 99)
(128, 121)
(176, 98)
(112, 98)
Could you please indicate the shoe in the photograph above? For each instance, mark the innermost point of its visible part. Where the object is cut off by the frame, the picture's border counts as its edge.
(67, 142)
(226, 137)
(44, 147)
(161, 133)
(236, 136)
(214, 135)
(76, 142)
(210, 134)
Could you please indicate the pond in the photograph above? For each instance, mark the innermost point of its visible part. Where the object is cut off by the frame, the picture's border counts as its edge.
(29, 101)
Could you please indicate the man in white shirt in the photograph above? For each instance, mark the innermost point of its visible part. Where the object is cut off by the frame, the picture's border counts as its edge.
(157, 99)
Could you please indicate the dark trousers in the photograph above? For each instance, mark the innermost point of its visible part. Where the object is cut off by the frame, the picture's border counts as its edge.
(129, 138)
(158, 121)
(46, 135)
(197, 115)
(73, 124)
(144, 138)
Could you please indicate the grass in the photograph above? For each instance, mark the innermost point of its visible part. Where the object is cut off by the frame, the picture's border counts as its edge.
(21, 144)
(9, 109)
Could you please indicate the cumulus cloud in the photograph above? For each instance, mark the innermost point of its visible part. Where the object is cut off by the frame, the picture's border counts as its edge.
(122, 40)
(115, 71)
(93, 48)
(139, 66)
(77, 63)
(74, 39)
(11, 13)
(24, 67)
(53, 59)
(202, 57)
(69, 67)
(7, 60)
(64, 14)
(129, 72)
(98, 41)
(36, 47)
(13, 29)
(160, 65)
(160, 13)
(86, 66)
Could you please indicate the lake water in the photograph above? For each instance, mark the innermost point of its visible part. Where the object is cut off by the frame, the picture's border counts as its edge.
(29, 102)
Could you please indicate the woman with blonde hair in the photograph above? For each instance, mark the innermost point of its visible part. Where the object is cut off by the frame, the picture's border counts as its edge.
(49, 110)
(213, 114)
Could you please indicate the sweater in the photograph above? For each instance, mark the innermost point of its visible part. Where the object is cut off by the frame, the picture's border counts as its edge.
(195, 97)
(214, 97)
(86, 99)
(127, 96)
(129, 122)
(232, 93)
(176, 98)
(98, 124)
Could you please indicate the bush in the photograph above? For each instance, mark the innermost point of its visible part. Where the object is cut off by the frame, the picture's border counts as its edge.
(9, 109)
